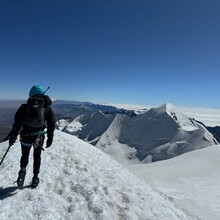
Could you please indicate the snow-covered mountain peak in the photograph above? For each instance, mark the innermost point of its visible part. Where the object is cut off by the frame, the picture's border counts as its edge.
(169, 108)
(165, 107)
(181, 119)
(160, 133)
(78, 181)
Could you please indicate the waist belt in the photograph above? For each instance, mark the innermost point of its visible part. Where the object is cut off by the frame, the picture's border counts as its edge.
(38, 138)
(34, 133)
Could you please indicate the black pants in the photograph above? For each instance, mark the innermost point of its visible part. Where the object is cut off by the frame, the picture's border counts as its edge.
(25, 150)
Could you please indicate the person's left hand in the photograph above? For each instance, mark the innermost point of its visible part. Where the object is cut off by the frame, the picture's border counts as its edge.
(12, 140)
(49, 140)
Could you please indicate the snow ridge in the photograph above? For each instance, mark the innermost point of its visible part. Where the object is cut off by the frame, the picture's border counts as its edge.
(79, 182)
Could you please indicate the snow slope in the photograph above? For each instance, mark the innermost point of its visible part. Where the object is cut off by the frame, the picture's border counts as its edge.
(87, 127)
(191, 180)
(62, 124)
(73, 126)
(110, 145)
(79, 182)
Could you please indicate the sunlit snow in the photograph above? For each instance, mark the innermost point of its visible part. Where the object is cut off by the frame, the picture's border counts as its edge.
(191, 180)
(79, 182)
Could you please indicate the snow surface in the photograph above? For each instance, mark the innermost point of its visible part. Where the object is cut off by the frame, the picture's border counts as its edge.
(191, 180)
(80, 182)
(62, 123)
(74, 126)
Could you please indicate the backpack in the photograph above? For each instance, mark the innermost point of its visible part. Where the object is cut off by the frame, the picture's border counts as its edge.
(35, 117)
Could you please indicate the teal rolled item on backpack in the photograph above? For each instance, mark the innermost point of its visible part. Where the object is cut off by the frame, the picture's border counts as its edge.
(36, 90)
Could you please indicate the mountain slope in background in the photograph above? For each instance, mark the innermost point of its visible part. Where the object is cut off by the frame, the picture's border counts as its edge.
(157, 134)
(78, 181)
(160, 133)
(191, 179)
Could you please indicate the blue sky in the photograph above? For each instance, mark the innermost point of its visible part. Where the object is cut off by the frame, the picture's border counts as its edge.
(118, 51)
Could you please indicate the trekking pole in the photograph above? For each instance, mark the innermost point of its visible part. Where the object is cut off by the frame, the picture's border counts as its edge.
(5, 154)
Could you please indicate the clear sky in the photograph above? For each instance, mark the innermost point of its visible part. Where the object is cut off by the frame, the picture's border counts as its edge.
(118, 51)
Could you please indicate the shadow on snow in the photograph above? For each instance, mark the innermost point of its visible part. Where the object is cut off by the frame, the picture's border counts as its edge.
(7, 192)
(10, 191)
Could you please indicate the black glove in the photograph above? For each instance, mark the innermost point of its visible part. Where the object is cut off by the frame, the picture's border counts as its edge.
(49, 140)
(12, 139)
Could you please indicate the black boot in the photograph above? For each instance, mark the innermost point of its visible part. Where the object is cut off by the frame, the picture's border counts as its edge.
(35, 181)
(21, 177)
